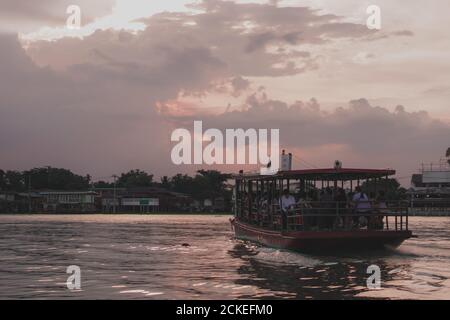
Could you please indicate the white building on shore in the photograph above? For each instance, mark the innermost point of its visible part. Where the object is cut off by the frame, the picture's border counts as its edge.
(430, 189)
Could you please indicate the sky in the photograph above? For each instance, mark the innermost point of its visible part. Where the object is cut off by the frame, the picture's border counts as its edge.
(105, 98)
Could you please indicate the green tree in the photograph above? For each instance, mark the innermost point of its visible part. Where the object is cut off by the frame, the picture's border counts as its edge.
(12, 181)
(212, 183)
(447, 154)
(165, 182)
(2, 180)
(103, 184)
(206, 184)
(392, 188)
(182, 183)
(55, 179)
(135, 178)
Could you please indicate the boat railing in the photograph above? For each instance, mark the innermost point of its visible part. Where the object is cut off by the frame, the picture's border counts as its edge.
(332, 216)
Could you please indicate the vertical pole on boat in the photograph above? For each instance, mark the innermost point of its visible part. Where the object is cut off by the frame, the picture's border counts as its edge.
(387, 222)
(407, 219)
(375, 186)
(275, 198)
(272, 202)
(335, 194)
(280, 187)
(236, 199)
(387, 184)
(258, 201)
(250, 199)
(241, 212)
(257, 192)
(244, 197)
(401, 220)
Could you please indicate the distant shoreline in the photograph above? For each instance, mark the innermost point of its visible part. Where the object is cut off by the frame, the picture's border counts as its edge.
(122, 214)
(444, 214)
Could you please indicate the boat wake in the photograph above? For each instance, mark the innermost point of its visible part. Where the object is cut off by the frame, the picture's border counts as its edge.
(283, 257)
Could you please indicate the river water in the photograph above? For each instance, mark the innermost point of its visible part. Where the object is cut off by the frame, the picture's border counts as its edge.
(196, 257)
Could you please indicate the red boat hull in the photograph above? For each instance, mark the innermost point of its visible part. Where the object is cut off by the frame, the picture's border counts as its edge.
(321, 241)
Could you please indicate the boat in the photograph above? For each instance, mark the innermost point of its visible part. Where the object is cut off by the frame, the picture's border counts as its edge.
(258, 216)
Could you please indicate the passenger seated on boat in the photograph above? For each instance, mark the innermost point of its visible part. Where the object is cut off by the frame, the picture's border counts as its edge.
(362, 207)
(306, 203)
(313, 195)
(376, 221)
(327, 208)
(287, 202)
(301, 202)
(263, 201)
(341, 200)
(256, 199)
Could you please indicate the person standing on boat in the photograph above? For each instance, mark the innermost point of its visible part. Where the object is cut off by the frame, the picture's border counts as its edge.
(362, 207)
(287, 202)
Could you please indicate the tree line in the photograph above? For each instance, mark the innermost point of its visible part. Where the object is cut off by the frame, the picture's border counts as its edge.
(204, 184)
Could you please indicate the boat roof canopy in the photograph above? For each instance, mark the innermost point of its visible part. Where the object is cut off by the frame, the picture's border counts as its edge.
(331, 174)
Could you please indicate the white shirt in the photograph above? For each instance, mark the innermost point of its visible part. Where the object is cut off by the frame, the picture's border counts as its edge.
(287, 202)
(362, 202)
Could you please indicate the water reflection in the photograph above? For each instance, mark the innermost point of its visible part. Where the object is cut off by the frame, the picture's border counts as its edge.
(321, 279)
(196, 257)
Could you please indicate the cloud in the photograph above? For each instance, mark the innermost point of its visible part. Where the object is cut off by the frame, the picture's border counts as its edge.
(239, 85)
(25, 15)
(223, 40)
(438, 90)
(406, 33)
(109, 101)
(88, 118)
(95, 111)
(360, 134)
(363, 57)
(248, 40)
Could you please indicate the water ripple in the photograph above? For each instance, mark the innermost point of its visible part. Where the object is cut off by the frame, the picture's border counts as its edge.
(196, 257)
